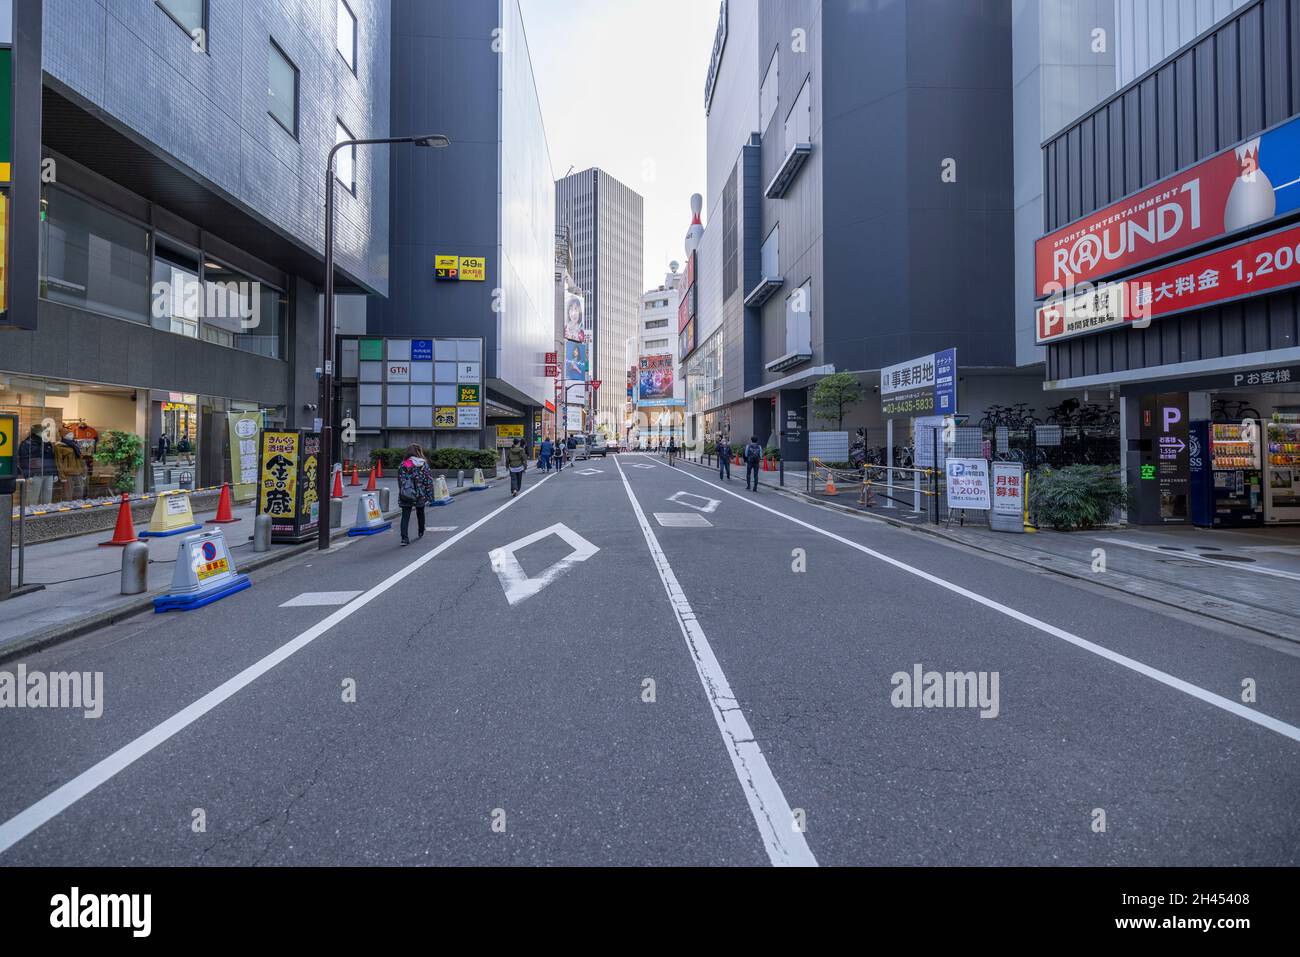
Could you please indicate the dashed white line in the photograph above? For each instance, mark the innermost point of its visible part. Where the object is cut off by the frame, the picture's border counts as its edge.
(784, 842)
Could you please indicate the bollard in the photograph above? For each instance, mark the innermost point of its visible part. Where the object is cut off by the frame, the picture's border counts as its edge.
(135, 568)
(384, 500)
(262, 533)
(336, 513)
(460, 479)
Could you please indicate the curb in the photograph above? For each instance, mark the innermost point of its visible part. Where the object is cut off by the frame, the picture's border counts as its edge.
(110, 616)
(1249, 617)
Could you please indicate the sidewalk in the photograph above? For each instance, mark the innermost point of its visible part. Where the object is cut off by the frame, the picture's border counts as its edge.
(83, 581)
(1244, 577)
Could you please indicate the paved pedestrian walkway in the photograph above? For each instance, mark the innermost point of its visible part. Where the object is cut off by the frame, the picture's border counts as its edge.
(83, 581)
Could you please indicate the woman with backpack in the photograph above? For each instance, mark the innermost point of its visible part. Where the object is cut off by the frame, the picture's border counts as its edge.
(414, 489)
(516, 462)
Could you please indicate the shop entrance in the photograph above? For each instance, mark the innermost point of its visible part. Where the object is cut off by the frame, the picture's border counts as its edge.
(1254, 450)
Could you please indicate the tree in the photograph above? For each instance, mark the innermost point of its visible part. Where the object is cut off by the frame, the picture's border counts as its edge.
(833, 396)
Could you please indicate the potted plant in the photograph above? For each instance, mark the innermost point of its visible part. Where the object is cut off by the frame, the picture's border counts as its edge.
(125, 450)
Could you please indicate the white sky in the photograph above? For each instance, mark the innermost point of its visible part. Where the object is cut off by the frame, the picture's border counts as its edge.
(622, 87)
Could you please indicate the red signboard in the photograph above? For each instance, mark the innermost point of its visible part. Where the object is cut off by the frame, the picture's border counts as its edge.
(1255, 181)
(551, 358)
(552, 371)
(1265, 264)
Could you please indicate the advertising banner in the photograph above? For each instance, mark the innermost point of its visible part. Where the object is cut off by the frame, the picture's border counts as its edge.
(575, 328)
(656, 380)
(287, 484)
(1008, 497)
(506, 435)
(8, 446)
(446, 267)
(968, 483)
(244, 428)
(1267, 263)
(575, 362)
(923, 386)
(473, 269)
(573, 418)
(444, 417)
(1250, 183)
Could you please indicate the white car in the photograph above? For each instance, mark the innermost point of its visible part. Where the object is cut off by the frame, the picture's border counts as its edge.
(580, 450)
(598, 446)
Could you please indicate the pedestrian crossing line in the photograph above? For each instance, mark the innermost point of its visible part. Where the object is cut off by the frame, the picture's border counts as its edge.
(782, 839)
(1155, 674)
(60, 799)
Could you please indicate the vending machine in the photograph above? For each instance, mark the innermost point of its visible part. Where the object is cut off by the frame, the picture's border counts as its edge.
(1236, 473)
(1282, 469)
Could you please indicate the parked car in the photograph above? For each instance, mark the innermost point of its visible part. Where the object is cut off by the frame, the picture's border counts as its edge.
(598, 446)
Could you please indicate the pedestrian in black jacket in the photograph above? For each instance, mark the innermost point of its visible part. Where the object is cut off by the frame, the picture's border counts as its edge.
(724, 458)
(753, 459)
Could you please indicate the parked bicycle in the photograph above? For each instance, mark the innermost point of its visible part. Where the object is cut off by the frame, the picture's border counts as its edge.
(1018, 418)
(1232, 410)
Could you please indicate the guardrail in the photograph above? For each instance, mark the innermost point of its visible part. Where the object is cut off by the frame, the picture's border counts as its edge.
(923, 488)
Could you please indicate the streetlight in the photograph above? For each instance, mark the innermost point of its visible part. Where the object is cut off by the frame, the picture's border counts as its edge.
(324, 462)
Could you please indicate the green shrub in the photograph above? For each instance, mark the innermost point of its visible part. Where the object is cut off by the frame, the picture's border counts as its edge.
(446, 458)
(126, 451)
(1077, 496)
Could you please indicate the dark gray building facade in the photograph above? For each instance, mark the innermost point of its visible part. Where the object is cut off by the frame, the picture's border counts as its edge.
(184, 148)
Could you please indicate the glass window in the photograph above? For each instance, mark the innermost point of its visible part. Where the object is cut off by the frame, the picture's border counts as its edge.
(767, 95)
(771, 255)
(798, 320)
(798, 125)
(242, 313)
(282, 89)
(346, 42)
(93, 259)
(190, 14)
(177, 294)
(345, 161)
(657, 324)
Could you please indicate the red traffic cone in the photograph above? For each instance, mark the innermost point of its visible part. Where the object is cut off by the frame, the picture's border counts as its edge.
(356, 482)
(370, 486)
(379, 467)
(225, 511)
(338, 486)
(124, 534)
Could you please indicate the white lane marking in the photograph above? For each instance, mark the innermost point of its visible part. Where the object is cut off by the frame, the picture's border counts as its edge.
(710, 504)
(60, 799)
(515, 581)
(591, 472)
(1178, 684)
(1204, 559)
(784, 842)
(442, 528)
(313, 599)
(682, 520)
(639, 465)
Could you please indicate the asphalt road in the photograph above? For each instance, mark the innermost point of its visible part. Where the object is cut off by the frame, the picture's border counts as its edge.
(659, 693)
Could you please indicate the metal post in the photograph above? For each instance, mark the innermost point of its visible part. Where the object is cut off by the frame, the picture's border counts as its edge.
(6, 545)
(889, 461)
(22, 532)
(135, 568)
(781, 467)
(934, 472)
(262, 533)
(916, 489)
(325, 458)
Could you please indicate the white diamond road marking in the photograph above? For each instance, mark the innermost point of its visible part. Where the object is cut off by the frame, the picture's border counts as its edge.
(682, 520)
(591, 472)
(516, 583)
(710, 506)
(313, 599)
(640, 465)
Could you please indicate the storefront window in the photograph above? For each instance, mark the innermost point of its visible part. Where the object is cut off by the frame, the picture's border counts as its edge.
(93, 259)
(241, 312)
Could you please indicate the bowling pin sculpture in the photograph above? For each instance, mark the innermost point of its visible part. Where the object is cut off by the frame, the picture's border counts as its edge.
(1251, 199)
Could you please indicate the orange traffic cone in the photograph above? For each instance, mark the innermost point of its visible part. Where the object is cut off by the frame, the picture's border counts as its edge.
(830, 484)
(379, 467)
(124, 534)
(370, 486)
(225, 511)
(356, 482)
(338, 486)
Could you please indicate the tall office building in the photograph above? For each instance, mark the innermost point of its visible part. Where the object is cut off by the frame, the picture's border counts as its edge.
(606, 226)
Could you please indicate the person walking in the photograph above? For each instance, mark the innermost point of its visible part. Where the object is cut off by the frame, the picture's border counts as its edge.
(753, 453)
(164, 444)
(544, 461)
(724, 458)
(516, 462)
(672, 452)
(558, 455)
(414, 490)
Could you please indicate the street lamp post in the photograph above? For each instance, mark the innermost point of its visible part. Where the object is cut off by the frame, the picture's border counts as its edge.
(325, 460)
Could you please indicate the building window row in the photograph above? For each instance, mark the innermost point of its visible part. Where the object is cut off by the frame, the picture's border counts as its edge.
(94, 259)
